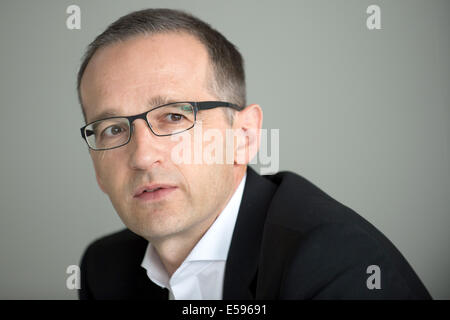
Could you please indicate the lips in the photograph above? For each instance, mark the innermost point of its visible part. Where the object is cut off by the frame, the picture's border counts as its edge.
(154, 189)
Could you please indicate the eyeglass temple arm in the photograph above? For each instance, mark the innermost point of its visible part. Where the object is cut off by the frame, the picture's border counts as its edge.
(205, 105)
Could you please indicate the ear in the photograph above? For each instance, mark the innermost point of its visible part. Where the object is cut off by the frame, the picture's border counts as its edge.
(247, 129)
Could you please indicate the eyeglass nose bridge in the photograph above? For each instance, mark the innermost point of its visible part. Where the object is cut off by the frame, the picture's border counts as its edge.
(142, 116)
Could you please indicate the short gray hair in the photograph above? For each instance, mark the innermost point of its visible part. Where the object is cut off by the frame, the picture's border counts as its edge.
(228, 80)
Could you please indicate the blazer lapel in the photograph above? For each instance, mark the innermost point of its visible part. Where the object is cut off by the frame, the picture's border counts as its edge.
(243, 256)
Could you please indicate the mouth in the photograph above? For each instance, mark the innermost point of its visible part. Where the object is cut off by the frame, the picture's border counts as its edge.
(154, 192)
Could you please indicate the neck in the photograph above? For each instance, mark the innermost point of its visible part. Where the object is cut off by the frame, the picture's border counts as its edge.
(173, 250)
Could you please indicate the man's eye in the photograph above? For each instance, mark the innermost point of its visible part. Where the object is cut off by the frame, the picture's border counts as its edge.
(174, 117)
(112, 131)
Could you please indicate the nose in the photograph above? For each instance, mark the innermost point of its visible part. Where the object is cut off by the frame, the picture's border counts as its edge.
(146, 149)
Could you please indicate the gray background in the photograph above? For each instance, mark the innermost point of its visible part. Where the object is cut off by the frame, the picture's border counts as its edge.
(363, 114)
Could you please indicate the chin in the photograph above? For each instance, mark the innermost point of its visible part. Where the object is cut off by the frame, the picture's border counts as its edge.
(150, 226)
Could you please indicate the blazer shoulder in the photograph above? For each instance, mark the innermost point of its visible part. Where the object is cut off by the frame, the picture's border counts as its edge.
(300, 205)
(321, 248)
(115, 247)
(300, 210)
(110, 268)
(345, 261)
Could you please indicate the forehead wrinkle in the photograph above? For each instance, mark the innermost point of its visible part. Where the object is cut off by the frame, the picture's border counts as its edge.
(158, 100)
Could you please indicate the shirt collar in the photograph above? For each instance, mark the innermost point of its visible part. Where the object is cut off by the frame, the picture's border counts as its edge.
(213, 246)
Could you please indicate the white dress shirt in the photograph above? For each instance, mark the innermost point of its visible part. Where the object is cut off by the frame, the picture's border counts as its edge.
(201, 274)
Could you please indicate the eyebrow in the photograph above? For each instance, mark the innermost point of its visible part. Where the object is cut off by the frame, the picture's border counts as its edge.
(153, 102)
(159, 100)
(103, 115)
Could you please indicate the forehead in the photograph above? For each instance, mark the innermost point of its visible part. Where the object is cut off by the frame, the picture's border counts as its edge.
(124, 76)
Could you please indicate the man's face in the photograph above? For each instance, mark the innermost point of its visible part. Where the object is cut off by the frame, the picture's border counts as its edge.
(129, 78)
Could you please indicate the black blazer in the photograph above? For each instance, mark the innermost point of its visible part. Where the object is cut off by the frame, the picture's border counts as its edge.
(291, 241)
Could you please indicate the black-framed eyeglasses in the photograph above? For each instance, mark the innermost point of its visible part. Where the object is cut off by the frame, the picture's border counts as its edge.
(164, 120)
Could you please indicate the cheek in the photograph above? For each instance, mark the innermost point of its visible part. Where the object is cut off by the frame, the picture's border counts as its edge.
(205, 182)
(212, 175)
(110, 171)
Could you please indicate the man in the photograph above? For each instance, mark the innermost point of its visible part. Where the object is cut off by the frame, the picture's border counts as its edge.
(209, 230)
